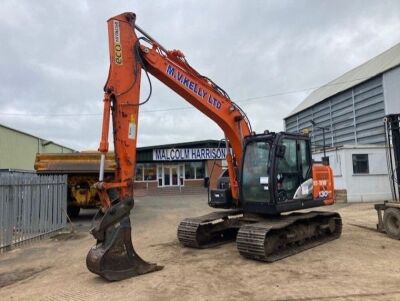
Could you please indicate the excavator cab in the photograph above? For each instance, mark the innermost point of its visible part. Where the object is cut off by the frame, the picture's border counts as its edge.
(275, 176)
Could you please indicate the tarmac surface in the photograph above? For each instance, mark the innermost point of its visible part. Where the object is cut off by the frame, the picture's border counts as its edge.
(362, 265)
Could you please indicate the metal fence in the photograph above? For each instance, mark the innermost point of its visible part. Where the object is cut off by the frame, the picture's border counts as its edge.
(30, 206)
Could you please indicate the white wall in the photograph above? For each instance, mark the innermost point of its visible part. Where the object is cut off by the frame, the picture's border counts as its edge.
(371, 187)
(391, 91)
(336, 157)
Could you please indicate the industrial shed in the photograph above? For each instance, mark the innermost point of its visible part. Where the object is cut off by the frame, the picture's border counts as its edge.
(349, 111)
(18, 149)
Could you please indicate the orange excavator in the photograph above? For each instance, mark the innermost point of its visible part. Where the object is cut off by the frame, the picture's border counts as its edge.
(269, 173)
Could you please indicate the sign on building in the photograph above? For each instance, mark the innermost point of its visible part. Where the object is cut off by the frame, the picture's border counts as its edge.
(187, 154)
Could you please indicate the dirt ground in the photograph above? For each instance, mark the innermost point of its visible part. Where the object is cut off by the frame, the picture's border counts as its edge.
(361, 265)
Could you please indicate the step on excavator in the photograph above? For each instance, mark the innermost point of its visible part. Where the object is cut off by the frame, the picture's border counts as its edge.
(270, 174)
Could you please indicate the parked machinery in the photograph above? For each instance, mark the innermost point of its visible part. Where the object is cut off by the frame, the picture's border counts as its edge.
(269, 173)
(82, 170)
(389, 212)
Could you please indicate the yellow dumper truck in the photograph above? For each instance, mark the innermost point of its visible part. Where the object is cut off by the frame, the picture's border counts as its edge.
(82, 169)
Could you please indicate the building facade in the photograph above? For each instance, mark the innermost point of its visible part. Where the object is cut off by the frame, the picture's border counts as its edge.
(349, 112)
(18, 149)
(180, 166)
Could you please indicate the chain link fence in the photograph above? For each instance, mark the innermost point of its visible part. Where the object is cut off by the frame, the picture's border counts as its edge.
(31, 206)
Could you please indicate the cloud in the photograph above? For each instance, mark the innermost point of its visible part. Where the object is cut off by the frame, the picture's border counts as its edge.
(54, 59)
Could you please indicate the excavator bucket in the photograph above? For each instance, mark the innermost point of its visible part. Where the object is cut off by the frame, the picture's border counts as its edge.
(113, 257)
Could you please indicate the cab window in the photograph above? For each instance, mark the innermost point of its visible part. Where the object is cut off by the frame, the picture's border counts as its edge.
(255, 172)
(287, 172)
(304, 160)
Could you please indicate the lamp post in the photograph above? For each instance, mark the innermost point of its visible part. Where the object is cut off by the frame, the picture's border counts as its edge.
(325, 159)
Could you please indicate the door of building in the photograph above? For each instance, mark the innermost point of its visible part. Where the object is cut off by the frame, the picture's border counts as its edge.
(170, 175)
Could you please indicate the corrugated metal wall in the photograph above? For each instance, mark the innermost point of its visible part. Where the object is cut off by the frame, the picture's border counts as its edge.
(354, 116)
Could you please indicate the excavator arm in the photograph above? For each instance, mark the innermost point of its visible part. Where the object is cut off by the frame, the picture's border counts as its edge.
(122, 93)
(113, 257)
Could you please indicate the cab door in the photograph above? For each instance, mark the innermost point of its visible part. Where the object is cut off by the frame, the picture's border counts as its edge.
(293, 168)
(304, 159)
(287, 170)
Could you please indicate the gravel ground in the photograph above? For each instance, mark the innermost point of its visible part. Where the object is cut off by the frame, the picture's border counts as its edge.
(361, 265)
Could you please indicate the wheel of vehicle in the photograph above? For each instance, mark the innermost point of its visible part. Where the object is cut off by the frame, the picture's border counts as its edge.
(391, 222)
(73, 211)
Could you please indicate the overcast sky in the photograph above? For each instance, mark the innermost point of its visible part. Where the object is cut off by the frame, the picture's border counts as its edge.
(268, 56)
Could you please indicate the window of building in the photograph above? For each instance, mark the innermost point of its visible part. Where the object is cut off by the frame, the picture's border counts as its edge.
(150, 171)
(139, 172)
(159, 175)
(181, 174)
(194, 170)
(200, 171)
(146, 172)
(360, 164)
(190, 171)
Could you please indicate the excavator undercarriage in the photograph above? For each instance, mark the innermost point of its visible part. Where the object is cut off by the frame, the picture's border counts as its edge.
(260, 237)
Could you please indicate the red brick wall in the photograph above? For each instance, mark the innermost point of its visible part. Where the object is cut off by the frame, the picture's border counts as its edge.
(194, 183)
(145, 185)
(216, 172)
